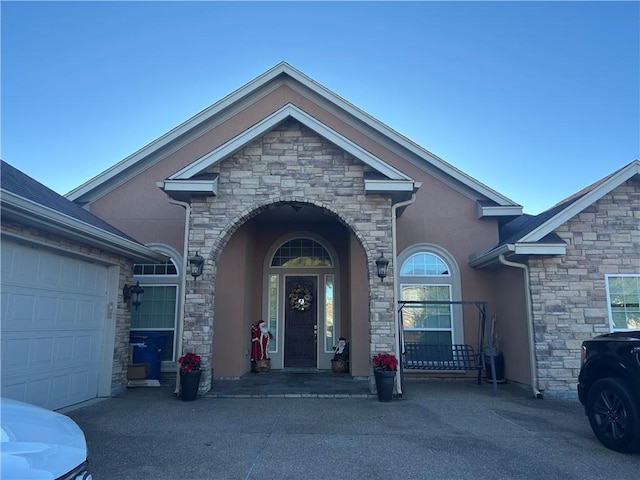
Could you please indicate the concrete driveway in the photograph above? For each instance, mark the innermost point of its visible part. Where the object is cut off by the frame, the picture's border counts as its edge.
(438, 430)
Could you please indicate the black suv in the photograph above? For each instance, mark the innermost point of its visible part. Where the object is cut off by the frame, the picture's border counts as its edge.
(609, 389)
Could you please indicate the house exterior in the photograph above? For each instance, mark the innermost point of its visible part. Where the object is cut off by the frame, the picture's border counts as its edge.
(65, 329)
(287, 191)
(581, 264)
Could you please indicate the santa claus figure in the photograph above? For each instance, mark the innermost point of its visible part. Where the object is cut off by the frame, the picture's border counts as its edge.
(260, 337)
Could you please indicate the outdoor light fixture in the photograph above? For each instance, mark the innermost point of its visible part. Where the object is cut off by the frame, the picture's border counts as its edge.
(196, 264)
(132, 292)
(381, 265)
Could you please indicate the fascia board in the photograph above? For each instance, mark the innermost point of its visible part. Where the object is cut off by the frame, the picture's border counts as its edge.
(271, 121)
(491, 257)
(190, 186)
(499, 211)
(176, 133)
(540, 249)
(396, 138)
(380, 186)
(576, 207)
(48, 219)
(389, 136)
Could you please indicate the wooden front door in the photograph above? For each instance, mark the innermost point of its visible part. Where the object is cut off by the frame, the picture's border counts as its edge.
(300, 342)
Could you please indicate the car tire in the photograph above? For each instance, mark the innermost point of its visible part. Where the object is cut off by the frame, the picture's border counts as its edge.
(614, 415)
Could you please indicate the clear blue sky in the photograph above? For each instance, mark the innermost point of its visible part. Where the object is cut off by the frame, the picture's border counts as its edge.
(535, 99)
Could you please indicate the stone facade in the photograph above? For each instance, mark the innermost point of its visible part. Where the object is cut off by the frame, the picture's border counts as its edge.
(569, 293)
(121, 312)
(288, 164)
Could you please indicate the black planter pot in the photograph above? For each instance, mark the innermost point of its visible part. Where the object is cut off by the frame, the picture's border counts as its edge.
(384, 384)
(189, 384)
(499, 363)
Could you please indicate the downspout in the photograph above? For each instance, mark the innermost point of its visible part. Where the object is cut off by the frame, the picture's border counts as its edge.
(394, 258)
(183, 283)
(532, 354)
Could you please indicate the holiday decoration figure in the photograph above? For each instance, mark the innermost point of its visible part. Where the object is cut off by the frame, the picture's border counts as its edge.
(260, 337)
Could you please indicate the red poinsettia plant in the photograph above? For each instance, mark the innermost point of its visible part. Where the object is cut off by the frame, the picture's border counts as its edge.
(385, 361)
(189, 362)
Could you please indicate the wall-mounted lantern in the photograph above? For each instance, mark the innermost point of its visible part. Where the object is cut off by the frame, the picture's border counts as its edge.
(134, 293)
(381, 266)
(196, 265)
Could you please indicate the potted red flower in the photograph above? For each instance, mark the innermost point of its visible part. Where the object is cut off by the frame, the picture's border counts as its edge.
(190, 374)
(384, 369)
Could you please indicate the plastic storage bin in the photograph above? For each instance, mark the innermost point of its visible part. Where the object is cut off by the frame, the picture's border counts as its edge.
(147, 348)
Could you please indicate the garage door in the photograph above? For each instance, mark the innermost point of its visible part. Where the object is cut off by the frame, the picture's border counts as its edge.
(53, 310)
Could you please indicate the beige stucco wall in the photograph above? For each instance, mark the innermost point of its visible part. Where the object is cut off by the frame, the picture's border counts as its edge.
(509, 307)
(569, 292)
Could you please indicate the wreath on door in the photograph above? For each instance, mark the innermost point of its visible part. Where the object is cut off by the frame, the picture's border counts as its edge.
(300, 298)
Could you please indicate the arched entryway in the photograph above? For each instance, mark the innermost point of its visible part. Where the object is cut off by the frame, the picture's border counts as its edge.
(258, 269)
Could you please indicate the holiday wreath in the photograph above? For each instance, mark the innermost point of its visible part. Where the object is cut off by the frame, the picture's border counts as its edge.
(300, 298)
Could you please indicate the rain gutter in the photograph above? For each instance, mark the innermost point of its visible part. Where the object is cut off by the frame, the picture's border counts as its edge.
(183, 283)
(394, 257)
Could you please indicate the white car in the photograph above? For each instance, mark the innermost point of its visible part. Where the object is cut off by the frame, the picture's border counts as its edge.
(40, 444)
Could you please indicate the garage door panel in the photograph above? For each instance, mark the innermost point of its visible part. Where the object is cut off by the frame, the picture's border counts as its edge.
(45, 349)
(38, 309)
(52, 326)
(64, 388)
(15, 354)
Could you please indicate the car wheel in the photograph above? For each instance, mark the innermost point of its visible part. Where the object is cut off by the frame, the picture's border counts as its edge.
(614, 415)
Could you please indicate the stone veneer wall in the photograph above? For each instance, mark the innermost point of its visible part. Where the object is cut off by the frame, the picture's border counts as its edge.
(121, 312)
(288, 164)
(568, 292)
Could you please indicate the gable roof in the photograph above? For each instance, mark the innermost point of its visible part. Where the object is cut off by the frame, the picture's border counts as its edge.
(391, 178)
(534, 235)
(29, 202)
(283, 73)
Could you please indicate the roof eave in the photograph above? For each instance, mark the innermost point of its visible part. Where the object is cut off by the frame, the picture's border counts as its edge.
(31, 213)
(485, 211)
(491, 258)
(183, 190)
(589, 198)
(389, 186)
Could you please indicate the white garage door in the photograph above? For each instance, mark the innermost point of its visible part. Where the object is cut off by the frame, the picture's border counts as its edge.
(53, 310)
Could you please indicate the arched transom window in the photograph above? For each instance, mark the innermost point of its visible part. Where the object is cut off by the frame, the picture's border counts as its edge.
(301, 252)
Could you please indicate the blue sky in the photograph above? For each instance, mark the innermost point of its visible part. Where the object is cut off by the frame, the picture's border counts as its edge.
(534, 99)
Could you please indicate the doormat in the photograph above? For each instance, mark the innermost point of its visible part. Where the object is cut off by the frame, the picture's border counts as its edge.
(142, 383)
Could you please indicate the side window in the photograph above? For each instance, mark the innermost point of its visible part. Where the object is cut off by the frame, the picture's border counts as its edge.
(623, 300)
(158, 312)
(429, 274)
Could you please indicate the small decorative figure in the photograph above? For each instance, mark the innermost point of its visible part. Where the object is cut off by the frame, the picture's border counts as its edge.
(340, 361)
(260, 337)
(341, 350)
